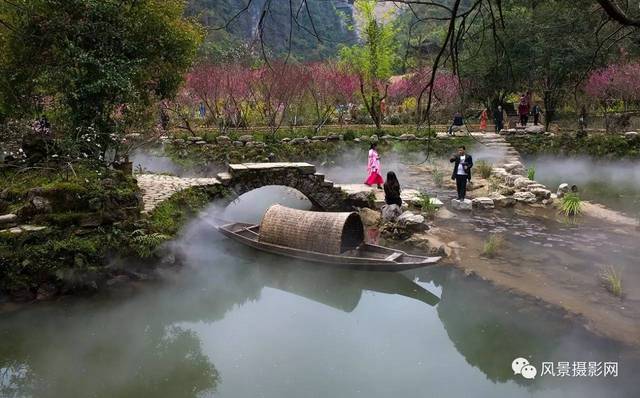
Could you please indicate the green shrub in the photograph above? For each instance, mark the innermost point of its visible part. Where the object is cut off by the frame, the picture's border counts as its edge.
(349, 135)
(493, 245)
(484, 169)
(571, 205)
(145, 244)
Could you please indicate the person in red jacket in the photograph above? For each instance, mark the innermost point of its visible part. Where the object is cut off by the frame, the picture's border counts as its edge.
(523, 111)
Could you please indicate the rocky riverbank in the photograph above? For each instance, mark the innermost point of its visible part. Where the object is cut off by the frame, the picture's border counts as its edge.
(64, 231)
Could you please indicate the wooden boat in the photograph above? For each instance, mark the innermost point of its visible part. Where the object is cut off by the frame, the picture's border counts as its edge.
(335, 239)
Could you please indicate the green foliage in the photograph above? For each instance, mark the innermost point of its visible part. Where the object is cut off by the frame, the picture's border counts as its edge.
(531, 173)
(595, 145)
(145, 244)
(425, 204)
(546, 46)
(612, 280)
(373, 61)
(171, 214)
(96, 62)
(484, 168)
(571, 205)
(493, 245)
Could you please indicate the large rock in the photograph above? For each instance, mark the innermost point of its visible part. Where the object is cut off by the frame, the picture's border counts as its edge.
(370, 218)
(391, 212)
(223, 140)
(246, 138)
(541, 193)
(427, 245)
(407, 137)
(522, 183)
(631, 134)
(464, 205)
(502, 201)
(361, 199)
(40, 204)
(563, 189)
(534, 129)
(525, 197)
(333, 137)
(299, 141)
(514, 167)
(483, 203)
(412, 222)
(373, 138)
(8, 219)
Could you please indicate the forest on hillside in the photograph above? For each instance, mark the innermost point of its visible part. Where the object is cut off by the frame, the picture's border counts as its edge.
(232, 30)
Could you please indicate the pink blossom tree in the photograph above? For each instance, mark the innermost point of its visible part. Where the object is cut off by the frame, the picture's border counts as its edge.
(446, 89)
(615, 82)
(273, 88)
(329, 86)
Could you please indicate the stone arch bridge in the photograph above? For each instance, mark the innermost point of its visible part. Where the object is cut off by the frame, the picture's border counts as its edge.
(244, 177)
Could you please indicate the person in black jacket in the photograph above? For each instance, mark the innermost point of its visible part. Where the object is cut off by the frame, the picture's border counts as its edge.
(392, 190)
(461, 171)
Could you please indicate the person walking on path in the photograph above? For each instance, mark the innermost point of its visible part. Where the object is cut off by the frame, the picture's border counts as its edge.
(498, 118)
(483, 120)
(461, 171)
(523, 111)
(373, 167)
(392, 190)
(458, 122)
(536, 111)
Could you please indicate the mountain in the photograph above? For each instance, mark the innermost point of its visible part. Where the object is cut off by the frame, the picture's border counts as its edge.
(233, 33)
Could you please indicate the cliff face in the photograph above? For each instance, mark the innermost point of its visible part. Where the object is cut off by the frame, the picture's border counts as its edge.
(332, 20)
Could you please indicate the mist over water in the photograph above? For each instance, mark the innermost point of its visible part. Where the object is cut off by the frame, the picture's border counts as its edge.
(234, 322)
(150, 160)
(615, 183)
(239, 323)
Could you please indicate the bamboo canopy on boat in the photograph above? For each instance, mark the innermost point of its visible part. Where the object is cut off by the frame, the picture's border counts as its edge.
(323, 232)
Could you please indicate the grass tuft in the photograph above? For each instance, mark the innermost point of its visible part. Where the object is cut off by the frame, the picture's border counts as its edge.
(531, 173)
(438, 177)
(493, 245)
(425, 205)
(612, 280)
(484, 169)
(571, 205)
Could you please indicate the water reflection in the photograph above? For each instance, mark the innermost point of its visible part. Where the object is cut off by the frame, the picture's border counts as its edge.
(68, 352)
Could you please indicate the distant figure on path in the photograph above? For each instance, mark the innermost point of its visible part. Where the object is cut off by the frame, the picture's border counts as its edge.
(583, 118)
(461, 171)
(483, 120)
(498, 118)
(536, 111)
(523, 111)
(392, 190)
(373, 167)
(458, 121)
